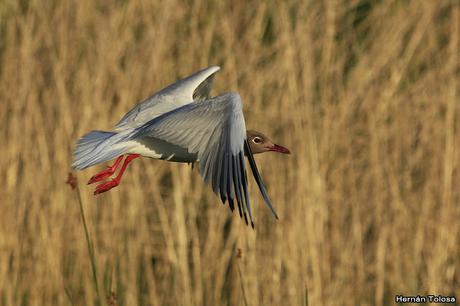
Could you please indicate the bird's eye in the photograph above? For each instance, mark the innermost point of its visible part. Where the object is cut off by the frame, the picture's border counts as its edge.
(257, 140)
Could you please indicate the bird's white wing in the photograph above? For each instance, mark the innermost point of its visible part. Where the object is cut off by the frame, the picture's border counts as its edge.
(214, 130)
(195, 87)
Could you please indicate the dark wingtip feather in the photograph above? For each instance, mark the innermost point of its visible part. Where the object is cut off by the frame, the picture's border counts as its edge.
(258, 178)
(252, 225)
(244, 183)
(231, 204)
(223, 198)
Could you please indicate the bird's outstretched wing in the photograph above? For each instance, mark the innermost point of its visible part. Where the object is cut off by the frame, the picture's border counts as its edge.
(195, 87)
(215, 130)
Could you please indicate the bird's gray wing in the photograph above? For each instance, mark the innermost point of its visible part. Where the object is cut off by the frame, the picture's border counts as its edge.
(215, 130)
(195, 87)
(203, 91)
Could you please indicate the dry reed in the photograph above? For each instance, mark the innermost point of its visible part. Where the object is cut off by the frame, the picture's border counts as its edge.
(363, 92)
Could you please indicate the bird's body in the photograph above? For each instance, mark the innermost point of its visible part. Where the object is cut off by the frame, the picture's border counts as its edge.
(193, 88)
(181, 123)
(160, 149)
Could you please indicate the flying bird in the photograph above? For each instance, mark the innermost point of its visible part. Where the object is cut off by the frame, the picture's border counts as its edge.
(182, 123)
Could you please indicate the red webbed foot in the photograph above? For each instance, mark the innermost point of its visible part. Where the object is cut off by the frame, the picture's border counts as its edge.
(114, 182)
(106, 186)
(101, 176)
(105, 173)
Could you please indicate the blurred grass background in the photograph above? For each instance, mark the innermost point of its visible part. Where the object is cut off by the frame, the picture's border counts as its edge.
(363, 92)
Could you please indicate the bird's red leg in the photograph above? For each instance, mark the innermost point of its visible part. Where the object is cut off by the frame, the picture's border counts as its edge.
(105, 173)
(114, 182)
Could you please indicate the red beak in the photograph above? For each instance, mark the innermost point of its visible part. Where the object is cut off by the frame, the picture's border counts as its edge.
(279, 149)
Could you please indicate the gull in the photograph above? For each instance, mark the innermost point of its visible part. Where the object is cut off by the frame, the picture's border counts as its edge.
(182, 123)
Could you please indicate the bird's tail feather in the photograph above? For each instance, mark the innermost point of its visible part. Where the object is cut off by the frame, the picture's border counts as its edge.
(97, 147)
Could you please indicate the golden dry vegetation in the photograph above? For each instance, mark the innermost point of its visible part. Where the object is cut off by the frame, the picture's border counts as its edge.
(365, 93)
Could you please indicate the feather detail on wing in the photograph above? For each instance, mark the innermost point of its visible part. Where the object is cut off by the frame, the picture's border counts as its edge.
(195, 87)
(215, 130)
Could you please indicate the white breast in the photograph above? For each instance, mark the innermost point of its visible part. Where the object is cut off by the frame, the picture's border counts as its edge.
(160, 149)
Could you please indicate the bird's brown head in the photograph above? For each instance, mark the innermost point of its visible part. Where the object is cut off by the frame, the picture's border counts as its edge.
(260, 143)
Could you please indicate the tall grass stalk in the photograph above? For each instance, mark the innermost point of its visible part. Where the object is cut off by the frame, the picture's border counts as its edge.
(69, 295)
(90, 246)
(243, 291)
